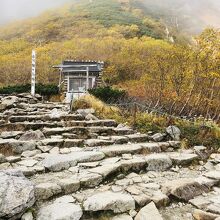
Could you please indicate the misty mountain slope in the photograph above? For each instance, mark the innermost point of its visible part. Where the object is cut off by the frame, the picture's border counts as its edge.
(182, 18)
(190, 16)
(87, 18)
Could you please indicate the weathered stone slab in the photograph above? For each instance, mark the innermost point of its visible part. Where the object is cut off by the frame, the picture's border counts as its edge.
(97, 142)
(68, 143)
(56, 142)
(117, 202)
(185, 189)
(183, 158)
(119, 139)
(60, 211)
(200, 202)
(137, 137)
(150, 147)
(213, 175)
(116, 150)
(69, 185)
(12, 146)
(55, 131)
(65, 161)
(28, 162)
(123, 131)
(89, 180)
(44, 191)
(135, 164)
(10, 134)
(32, 136)
(158, 162)
(206, 181)
(30, 153)
(202, 215)
(105, 170)
(149, 212)
(160, 199)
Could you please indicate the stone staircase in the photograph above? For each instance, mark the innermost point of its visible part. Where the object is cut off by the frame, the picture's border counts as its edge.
(96, 169)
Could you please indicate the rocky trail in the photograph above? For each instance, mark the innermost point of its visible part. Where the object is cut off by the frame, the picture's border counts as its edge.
(56, 165)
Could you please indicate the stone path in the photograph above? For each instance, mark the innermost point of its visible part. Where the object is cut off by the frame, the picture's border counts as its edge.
(81, 167)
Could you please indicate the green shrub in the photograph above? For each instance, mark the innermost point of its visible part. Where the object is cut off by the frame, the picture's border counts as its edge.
(108, 94)
(44, 90)
(47, 90)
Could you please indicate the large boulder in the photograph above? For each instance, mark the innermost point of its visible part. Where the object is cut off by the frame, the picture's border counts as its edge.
(184, 189)
(16, 194)
(8, 102)
(117, 202)
(174, 132)
(60, 211)
(32, 136)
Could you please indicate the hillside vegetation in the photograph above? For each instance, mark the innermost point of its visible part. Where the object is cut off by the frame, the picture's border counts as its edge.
(180, 78)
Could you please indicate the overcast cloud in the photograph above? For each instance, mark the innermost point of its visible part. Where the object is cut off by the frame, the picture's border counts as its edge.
(11, 10)
(198, 12)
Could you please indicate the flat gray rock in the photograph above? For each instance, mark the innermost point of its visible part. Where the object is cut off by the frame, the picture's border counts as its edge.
(117, 202)
(65, 161)
(60, 211)
(46, 190)
(183, 158)
(158, 162)
(149, 212)
(115, 150)
(213, 175)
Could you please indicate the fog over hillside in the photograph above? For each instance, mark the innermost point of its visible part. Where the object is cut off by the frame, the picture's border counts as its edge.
(11, 10)
(196, 14)
(193, 14)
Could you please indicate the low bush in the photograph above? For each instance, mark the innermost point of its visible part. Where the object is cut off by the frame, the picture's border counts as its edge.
(44, 90)
(108, 94)
(102, 110)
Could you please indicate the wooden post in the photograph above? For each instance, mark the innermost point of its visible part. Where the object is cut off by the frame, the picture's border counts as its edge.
(87, 79)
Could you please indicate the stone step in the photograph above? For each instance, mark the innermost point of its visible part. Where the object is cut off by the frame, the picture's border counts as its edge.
(126, 162)
(126, 194)
(48, 117)
(48, 106)
(87, 131)
(25, 126)
(142, 187)
(29, 118)
(91, 123)
(13, 146)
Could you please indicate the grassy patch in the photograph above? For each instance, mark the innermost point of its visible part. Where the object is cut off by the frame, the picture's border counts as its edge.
(193, 133)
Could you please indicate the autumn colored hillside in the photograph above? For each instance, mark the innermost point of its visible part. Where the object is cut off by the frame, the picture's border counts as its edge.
(143, 54)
